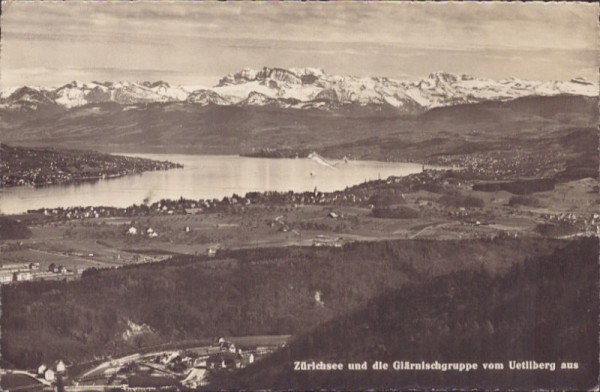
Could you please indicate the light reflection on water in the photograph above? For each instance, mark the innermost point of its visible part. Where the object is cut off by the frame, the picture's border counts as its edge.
(204, 177)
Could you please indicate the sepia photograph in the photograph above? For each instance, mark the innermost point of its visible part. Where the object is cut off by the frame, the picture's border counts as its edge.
(299, 196)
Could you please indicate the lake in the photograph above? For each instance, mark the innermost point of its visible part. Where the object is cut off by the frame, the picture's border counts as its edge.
(204, 177)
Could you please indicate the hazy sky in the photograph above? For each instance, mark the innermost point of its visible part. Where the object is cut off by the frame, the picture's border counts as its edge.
(52, 43)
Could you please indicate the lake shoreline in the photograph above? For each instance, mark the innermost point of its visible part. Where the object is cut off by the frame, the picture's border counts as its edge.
(204, 177)
(43, 166)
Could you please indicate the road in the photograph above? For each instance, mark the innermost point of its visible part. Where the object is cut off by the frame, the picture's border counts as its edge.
(84, 388)
(434, 226)
(207, 348)
(111, 363)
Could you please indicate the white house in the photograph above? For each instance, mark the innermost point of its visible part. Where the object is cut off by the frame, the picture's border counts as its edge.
(49, 375)
(42, 369)
(23, 275)
(6, 277)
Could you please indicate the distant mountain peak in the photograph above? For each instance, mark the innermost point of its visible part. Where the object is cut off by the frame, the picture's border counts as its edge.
(256, 99)
(442, 75)
(291, 75)
(206, 97)
(300, 88)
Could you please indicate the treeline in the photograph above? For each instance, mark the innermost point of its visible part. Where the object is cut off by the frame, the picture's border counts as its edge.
(241, 292)
(458, 200)
(400, 212)
(518, 187)
(558, 229)
(527, 201)
(12, 229)
(545, 309)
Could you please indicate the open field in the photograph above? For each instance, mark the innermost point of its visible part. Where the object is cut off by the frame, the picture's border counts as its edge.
(105, 242)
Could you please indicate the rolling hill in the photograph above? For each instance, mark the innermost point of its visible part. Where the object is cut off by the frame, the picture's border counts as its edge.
(243, 292)
(543, 310)
(191, 128)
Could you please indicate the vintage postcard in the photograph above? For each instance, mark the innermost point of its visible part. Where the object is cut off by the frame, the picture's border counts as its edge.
(299, 196)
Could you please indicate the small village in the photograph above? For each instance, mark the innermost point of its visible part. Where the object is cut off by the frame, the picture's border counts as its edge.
(498, 165)
(150, 371)
(429, 204)
(366, 195)
(358, 195)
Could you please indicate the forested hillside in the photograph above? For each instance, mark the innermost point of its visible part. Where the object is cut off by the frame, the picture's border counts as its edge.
(243, 292)
(545, 309)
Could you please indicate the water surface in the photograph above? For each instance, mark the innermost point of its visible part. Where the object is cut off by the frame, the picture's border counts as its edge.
(204, 177)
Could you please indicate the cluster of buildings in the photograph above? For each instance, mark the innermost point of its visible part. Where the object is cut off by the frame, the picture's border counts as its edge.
(17, 272)
(22, 272)
(496, 165)
(357, 195)
(589, 224)
(49, 373)
(323, 240)
(190, 367)
(149, 232)
(227, 357)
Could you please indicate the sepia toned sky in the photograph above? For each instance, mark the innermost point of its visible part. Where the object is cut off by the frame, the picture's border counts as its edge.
(52, 43)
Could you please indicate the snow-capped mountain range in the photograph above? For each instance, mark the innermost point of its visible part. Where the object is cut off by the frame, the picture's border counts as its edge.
(300, 88)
